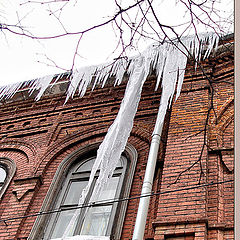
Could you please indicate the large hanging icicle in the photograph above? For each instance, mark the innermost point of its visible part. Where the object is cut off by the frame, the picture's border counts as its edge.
(115, 141)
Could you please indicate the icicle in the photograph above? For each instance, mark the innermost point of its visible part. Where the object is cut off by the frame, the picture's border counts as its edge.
(161, 63)
(119, 71)
(59, 76)
(168, 84)
(42, 85)
(212, 39)
(9, 90)
(115, 141)
(75, 78)
(182, 63)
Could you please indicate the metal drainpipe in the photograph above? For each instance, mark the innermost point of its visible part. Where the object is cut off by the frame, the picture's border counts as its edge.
(147, 185)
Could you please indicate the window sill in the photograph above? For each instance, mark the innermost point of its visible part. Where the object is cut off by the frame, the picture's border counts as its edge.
(84, 237)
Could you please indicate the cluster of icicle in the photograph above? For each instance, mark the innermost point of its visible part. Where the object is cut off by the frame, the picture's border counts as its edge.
(168, 60)
(81, 78)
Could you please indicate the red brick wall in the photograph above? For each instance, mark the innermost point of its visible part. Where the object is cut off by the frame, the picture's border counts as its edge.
(209, 206)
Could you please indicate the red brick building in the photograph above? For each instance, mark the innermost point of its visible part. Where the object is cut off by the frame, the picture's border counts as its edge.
(45, 145)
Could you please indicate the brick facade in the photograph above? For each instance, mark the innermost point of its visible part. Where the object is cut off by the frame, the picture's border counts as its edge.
(38, 136)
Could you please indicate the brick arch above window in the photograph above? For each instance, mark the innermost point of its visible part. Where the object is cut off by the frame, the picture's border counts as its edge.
(23, 154)
(29, 150)
(227, 133)
(229, 104)
(142, 132)
(221, 130)
(225, 126)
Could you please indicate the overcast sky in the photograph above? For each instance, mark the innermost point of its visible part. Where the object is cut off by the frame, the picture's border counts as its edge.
(23, 58)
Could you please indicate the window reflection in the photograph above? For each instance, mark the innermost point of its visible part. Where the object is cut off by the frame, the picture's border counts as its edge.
(62, 222)
(3, 175)
(97, 218)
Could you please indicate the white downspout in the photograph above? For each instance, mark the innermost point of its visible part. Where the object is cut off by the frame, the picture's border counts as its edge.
(147, 184)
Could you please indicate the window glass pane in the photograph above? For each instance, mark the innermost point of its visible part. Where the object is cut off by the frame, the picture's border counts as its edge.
(110, 190)
(74, 192)
(97, 218)
(180, 238)
(2, 174)
(87, 166)
(120, 163)
(96, 221)
(62, 223)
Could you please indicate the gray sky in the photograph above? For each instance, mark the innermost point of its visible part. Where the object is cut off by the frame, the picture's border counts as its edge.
(23, 58)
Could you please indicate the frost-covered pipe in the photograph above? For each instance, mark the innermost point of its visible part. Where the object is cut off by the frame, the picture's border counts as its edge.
(147, 184)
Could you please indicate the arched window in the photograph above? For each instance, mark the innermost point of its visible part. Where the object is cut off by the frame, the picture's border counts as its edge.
(3, 175)
(70, 178)
(98, 220)
(7, 171)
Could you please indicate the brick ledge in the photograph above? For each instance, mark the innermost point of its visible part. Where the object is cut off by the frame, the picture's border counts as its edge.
(178, 222)
(218, 226)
